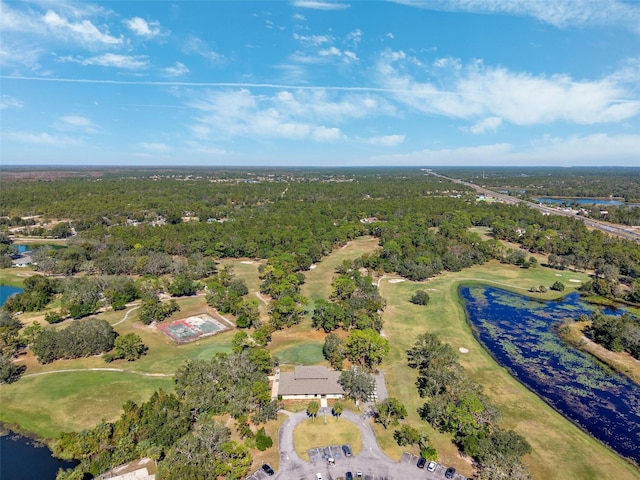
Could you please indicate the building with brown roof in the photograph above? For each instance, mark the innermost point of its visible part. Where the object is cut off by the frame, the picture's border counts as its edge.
(309, 383)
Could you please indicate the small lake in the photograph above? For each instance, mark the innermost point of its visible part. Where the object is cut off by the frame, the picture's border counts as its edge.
(23, 459)
(519, 333)
(22, 248)
(6, 292)
(579, 201)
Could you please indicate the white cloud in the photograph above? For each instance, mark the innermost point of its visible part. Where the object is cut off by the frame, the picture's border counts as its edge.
(43, 138)
(585, 150)
(84, 31)
(77, 122)
(314, 40)
(299, 17)
(142, 28)
(18, 21)
(127, 62)
(197, 46)
(319, 5)
(345, 55)
(485, 125)
(176, 70)
(7, 101)
(559, 13)
(386, 140)
(475, 91)
(156, 147)
(241, 114)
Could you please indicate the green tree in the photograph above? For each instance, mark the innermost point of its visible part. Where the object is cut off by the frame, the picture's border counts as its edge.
(558, 286)
(312, 409)
(357, 384)
(420, 298)
(153, 310)
(9, 371)
(129, 347)
(183, 286)
(334, 350)
(338, 408)
(407, 435)
(389, 411)
(367, 348)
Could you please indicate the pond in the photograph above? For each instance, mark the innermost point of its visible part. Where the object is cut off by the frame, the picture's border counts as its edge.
(23, 459)
(6, 292)
(519, 333)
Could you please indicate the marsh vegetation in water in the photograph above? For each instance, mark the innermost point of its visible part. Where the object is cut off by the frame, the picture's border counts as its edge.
(520, 334)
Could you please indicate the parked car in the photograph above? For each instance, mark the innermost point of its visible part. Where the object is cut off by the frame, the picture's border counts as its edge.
(349, 476)
(318, 476)
(346, 450)
(432, 466)
(358, 474)
(450, 472)
(421, 462)
(267, 469)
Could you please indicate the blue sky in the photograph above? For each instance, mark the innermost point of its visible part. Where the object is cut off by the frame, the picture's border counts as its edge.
(312, 82)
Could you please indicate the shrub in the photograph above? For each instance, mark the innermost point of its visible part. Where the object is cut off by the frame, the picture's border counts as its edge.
(263, 441)
(420, 298)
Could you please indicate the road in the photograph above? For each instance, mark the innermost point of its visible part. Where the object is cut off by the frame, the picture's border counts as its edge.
(610, 228)
(371, 461)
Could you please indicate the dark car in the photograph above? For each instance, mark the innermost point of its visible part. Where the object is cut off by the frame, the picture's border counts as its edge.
(349, 476)
(450, 472)
(267, 469)
(421, 462)
(346, 450)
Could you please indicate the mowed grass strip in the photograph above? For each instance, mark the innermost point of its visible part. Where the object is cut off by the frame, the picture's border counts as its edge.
(326, 431)
(318, 281)
(560, 449)
(47, 405)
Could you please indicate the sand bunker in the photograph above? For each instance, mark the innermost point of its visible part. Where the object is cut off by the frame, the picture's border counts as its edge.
(397, 280)
(247, 262)
(463, 350)
(312, 267)
(575, 281)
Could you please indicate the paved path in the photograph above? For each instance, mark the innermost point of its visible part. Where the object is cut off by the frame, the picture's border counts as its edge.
(372, 461)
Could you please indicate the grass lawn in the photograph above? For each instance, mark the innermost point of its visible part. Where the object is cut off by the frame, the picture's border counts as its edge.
(14, 277)
(325, 431)
(46, 405)
(318, 281)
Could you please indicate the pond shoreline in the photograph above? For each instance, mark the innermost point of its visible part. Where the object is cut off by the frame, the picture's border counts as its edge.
(559, 400)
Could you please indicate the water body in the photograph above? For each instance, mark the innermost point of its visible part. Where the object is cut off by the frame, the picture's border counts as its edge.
(519, 333)
(6, 292)
(21, 458)
(22, 248)
(579, 201)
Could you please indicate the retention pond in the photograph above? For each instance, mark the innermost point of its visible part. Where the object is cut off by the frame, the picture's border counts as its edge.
(519, 332)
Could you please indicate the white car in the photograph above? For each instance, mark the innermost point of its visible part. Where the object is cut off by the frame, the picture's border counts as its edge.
(432, 467)
(318, 476)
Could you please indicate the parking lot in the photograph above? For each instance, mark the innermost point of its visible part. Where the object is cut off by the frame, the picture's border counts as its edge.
(331, 462)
